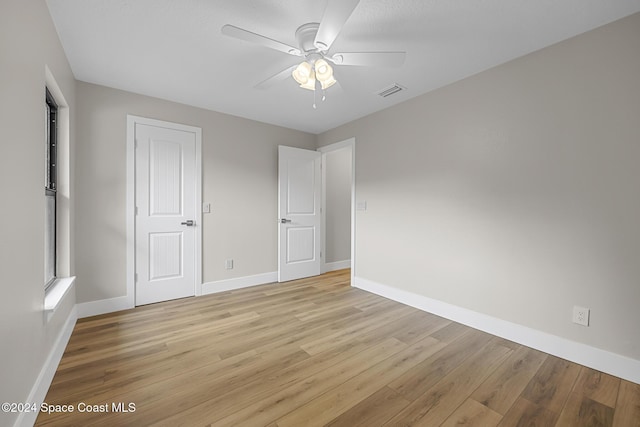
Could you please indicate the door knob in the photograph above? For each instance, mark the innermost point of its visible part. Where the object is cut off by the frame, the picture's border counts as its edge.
(188, 223)
(284, 221)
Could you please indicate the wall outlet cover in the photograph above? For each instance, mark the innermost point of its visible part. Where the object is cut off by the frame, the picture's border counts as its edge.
(581, 315)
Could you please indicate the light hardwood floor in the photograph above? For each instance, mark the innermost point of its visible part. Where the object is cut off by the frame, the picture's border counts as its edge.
(318, 352)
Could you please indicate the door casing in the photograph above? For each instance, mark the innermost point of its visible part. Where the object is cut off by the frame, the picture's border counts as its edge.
(351, 144)
(130, 202)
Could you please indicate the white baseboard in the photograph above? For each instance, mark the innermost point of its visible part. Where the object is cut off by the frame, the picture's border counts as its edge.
(595, 358)
(239, 283)
(337, 265)
(41, 386)
(94, 308)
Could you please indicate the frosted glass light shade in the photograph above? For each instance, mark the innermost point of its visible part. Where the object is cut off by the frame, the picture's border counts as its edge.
(310, 83)
(306, 74)
(323, 70)
(326, 84)
(302, 73)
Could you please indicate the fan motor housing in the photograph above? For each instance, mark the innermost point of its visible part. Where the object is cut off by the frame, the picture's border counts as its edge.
(306, 36)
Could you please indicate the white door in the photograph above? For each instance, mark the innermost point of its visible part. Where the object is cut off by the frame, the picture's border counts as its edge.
(165, 162)
(299, 190)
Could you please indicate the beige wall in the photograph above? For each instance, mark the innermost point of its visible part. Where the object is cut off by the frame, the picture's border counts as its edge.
(338, 171)
(239, 180)
(28, 42)
(514, 192)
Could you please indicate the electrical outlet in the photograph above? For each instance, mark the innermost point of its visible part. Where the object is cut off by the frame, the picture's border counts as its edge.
(228, 264)
(581, 316)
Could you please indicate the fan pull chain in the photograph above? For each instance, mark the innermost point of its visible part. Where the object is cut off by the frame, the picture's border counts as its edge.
(315, 89)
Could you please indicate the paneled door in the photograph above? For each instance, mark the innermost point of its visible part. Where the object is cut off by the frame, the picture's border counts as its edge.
(165, 221)
(299, 192)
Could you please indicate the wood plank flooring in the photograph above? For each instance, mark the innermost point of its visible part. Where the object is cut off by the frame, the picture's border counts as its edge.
(317, 352)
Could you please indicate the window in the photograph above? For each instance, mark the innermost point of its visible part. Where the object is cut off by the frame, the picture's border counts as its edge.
(50, 189)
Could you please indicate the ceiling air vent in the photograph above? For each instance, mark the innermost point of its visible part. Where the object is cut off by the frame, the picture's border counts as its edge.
(388, 91)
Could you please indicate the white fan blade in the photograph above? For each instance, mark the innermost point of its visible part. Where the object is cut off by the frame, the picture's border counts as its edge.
(333, 19)
(245, 35)
(369, 59)
(282, 75)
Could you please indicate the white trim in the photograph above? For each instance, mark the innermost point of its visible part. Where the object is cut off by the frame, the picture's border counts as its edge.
(64, 211)
(130, 212)
(131, 200)
(239, 283)
(337, 265)
(347, 143)
(94, 308)
(601, 360)
(55, 294)
(41, 386)
(323, 213)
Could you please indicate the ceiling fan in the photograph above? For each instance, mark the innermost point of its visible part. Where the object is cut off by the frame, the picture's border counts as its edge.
(314, 44)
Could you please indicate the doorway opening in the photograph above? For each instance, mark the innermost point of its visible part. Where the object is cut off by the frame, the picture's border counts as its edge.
(316, 210)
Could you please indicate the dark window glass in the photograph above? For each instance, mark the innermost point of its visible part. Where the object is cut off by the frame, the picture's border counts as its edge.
(50, 189)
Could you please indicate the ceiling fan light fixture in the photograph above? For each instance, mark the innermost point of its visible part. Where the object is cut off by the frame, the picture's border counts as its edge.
(303, 73)
(314, 43)
(310, 84)
(306, 74)
(323, 70)
(326, 84)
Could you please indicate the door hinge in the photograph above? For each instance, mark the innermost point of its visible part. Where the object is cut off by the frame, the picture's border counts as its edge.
(136, 210)
(135, 278)
(320, 254)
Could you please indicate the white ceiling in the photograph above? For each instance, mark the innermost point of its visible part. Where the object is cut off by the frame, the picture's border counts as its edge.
(174, 49)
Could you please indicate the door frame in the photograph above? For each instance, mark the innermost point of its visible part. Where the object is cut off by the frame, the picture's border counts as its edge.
(347, 143)
(131, 201)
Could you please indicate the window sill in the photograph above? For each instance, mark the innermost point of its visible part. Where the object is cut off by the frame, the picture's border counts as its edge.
(56, 293)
